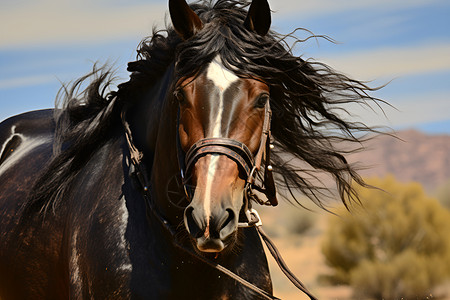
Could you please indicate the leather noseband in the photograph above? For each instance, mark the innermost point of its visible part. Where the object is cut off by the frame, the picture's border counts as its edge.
(243, 157)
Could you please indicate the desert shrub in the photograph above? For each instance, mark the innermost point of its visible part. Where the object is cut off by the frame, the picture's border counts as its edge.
(443, 194)
(396, 246)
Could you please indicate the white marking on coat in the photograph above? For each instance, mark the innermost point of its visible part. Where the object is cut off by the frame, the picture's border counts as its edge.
(209, 183)
(123, 245)
(74, 268)
(223, 79)
(27, 144)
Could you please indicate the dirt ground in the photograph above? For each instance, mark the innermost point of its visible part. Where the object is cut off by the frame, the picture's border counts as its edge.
(303, 255)
(304, 258)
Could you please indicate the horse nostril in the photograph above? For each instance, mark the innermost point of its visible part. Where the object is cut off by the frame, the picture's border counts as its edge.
(191, 224)
(228, 226)
(229, 219)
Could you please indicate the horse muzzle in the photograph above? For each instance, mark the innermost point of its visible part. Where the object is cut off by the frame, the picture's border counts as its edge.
(214, 232)
(222, 171)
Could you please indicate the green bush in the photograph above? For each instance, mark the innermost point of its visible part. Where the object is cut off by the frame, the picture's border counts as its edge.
(396, 246)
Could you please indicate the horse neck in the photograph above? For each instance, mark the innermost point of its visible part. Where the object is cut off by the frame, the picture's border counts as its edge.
(165, 170)
(153, 124)
(145, 115)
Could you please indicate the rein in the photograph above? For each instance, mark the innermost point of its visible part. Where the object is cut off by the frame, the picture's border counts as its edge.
(230, 148)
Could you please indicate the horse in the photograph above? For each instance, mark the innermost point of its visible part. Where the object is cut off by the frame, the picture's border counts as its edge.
(143, 191)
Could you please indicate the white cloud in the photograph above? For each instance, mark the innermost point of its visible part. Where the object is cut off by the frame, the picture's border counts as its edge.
(422, 109)
(393, 62)
(417, 109)
(306, 9)
(26, 81)
(55, 22)
(389, 63)
(51, 22)
(44, 22)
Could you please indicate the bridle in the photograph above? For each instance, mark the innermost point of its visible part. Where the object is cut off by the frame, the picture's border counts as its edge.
(243, 157)
(249, 164)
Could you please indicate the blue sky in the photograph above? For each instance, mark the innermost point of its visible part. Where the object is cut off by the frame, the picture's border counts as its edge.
(46, 42)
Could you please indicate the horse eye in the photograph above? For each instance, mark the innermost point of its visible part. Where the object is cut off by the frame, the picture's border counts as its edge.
(262, 100)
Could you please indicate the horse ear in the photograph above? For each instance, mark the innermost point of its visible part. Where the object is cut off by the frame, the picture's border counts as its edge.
(185, 21)
(258, 17)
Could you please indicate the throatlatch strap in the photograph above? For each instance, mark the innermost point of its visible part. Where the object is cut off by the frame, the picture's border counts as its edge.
(269, 183)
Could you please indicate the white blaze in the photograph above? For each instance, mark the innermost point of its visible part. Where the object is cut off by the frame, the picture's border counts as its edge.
(223, 79)
(209, 182)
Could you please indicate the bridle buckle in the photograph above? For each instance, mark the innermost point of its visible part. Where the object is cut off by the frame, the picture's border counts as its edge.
(254, 220)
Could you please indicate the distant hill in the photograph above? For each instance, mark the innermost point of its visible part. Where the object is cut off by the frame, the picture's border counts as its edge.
(415, 156)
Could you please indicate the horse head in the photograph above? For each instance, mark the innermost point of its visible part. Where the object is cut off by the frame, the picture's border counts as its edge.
(220, 126)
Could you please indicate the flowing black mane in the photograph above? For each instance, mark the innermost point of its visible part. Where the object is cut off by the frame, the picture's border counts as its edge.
(306, 97)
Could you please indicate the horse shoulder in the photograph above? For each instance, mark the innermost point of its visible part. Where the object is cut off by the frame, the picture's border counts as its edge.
(22, 134)
(25, 149)
(97, 222)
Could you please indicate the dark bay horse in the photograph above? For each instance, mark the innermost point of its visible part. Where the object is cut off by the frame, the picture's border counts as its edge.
(97, 196)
